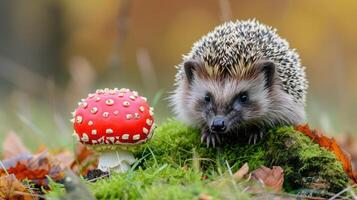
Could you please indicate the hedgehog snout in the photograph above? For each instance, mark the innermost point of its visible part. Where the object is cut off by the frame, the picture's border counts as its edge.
(219, 124)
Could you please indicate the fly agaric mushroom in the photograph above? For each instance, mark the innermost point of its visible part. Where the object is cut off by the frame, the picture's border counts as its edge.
(111, 122)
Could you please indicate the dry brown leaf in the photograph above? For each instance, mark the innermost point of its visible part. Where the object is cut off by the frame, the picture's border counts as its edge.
(12, 189)
(13, 146)
(241, 172)
(65, 158)
(270, 178)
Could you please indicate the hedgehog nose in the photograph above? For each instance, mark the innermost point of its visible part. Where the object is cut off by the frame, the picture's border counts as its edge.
(218, 124)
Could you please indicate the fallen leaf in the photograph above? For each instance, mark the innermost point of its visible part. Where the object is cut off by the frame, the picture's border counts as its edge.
(349, 143)
(65, 157)
(85, 160)
(13, 146)
(35, 168)
(270, 178)
(12, 189)
(330, 144)
(205, 197)
(241, 172)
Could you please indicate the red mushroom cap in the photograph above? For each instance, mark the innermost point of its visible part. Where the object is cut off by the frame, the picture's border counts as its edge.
(113, 117)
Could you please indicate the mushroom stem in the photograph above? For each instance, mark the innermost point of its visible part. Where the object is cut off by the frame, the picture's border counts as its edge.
(118, 161)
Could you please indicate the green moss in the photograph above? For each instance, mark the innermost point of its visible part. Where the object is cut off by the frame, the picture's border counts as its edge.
(172, 164)
(159, 182)
(306, 164)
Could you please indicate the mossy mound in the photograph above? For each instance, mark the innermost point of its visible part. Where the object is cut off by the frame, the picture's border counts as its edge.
(174, 162)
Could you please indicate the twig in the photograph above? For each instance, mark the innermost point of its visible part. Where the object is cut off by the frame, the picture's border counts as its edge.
(147, 70)
(226, 11)
(343, 191)
(2, 165)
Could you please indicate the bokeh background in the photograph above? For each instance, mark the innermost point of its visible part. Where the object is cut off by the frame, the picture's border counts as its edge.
(53, 52)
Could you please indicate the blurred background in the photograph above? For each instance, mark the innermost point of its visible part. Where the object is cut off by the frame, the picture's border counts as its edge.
(54, 52)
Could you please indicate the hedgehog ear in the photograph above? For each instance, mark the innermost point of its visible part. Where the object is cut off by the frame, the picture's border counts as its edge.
(190, 66)
(268, 68)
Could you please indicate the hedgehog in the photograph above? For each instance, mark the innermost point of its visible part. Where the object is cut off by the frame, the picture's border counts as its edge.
(237, 82)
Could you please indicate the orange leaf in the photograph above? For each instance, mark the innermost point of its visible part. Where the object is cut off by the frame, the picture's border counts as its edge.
(12, 189)
(271, 178)
(306, 130)
(13, 146)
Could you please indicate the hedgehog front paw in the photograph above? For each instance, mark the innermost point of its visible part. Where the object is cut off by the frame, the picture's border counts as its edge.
(210, 138)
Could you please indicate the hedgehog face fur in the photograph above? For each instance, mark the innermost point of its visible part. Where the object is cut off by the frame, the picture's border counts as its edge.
(239, 80)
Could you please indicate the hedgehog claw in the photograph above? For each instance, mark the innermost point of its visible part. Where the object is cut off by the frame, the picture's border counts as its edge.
(210, 139)
(207, 141)
(203, 137)
(213, 140)
(254, 137)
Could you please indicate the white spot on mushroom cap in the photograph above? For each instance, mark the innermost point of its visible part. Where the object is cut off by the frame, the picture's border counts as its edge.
(91, 95)
(145, 131)
(94, 110)
(94, 132)
(105, 114)
(84, 104)
(99, 91)
(132, 97)
(97, 99)
(109, 131)
(144, 98)
(137, 116)
(122, 90)
(109, 102)
(85, 137)
(94, 141)
(90, 123)
(111, 139)
(125, 136)
(136, 137)
(141, 108)
(101, 140)
(149, 122)
(126, 104)
(79, 119)
(116, 112)
(128, 116)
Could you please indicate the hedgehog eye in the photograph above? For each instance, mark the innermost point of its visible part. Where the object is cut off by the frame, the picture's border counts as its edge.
(207, 98)
(243, 97)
